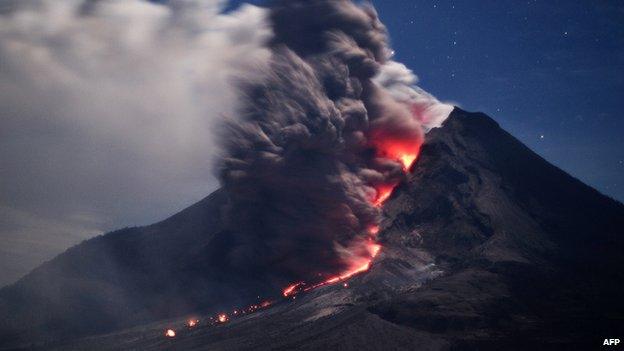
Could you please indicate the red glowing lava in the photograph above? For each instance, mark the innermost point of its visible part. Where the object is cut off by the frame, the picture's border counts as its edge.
(222, 318)
(403, 150)
(170, 333)
(359, 265)
(383, 193)
(292, 289)
(407, 160)
(369, 249)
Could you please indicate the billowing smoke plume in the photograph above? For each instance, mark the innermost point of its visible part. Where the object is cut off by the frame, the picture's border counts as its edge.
(107, 111)
(109, 107)
(321, 140)
(400, 83)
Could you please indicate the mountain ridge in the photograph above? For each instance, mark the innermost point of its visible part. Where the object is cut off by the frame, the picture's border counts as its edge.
(508, 224)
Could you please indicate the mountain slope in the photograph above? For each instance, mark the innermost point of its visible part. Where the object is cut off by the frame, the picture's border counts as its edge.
(125, 277)
(485, 245)
(531, 253)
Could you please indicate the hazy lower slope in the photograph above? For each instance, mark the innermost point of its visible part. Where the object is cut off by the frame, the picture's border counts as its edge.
(486, 246)
(125, 277)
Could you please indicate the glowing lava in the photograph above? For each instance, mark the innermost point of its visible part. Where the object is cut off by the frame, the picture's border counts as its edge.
(360, 267)
(358, 264)
(407, 160)
(222, 318)
(383, 193)
(170, 333)
(402, 150)
(292, 289)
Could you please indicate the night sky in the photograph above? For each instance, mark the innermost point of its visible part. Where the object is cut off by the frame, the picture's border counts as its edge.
(550, 72)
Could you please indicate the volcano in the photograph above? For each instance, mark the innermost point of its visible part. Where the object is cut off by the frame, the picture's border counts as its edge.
(485, 246)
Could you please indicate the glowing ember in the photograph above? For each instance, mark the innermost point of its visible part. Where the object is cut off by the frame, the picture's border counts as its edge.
(374, 230)
(402, 150)
(383, 193)
(374, 250)
(407, 160)
(222, 318)
(359, 266)
(170, 333)
(192, 322)
(291, 289)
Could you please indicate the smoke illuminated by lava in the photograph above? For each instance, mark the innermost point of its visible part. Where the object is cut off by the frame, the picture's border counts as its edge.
(322, 140)
(383, 193)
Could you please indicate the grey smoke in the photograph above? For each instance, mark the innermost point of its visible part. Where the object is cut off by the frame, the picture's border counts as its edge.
(400, 82)
(107, 112)
(301, 162)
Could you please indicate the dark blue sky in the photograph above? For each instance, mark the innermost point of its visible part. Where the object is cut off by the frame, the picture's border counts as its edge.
(550, 72)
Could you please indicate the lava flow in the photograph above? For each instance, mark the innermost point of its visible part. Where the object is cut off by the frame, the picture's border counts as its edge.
(404, 151)
(373, 249)
(383, 193)
(363, 264)
(358, 264)
(292, 289)
(222, 318)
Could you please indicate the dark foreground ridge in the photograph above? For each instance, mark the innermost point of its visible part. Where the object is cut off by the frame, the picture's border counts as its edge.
(485, 246)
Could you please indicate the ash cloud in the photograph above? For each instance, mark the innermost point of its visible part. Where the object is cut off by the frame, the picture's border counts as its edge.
(317, 138)
(107, 114)
(400, 82)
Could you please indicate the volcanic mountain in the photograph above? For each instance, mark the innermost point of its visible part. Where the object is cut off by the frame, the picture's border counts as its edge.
(485, 246)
